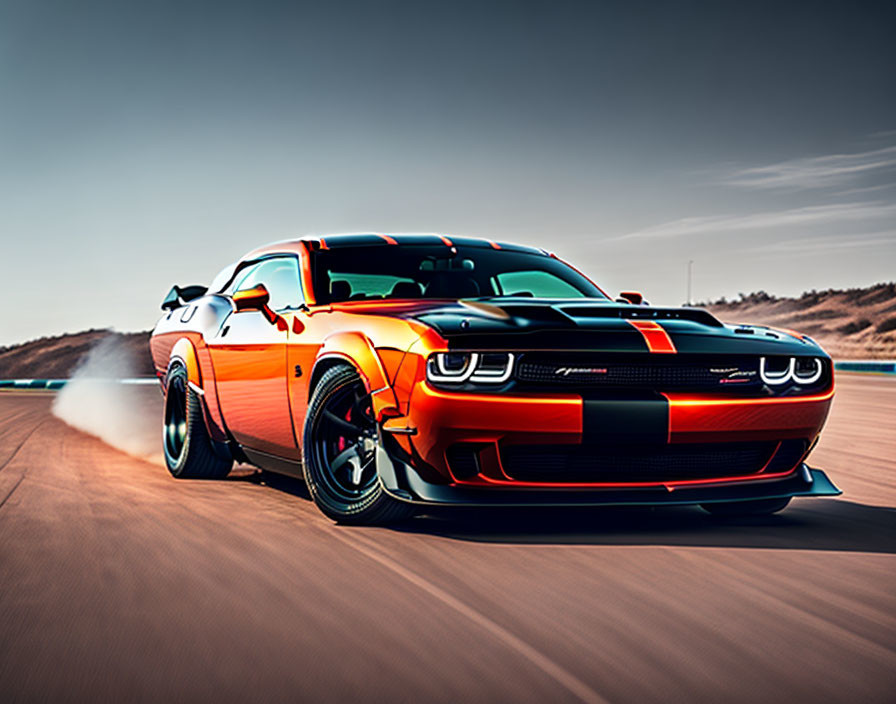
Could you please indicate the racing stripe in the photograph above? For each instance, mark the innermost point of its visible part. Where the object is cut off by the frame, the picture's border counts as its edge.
(655, 336)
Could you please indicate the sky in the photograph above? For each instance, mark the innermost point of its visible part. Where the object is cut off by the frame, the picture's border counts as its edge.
(147, 144)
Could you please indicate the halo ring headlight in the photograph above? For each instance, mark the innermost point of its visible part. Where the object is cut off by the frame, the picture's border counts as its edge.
(478, 368)
(812, 378)
(438, 370)
(791, 373)
(776, 378)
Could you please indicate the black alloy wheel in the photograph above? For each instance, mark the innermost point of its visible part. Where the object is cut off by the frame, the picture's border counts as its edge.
(190, 453)
(340, 447)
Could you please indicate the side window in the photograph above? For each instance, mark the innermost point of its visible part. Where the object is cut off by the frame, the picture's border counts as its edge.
(538, 284)
(281, 278)
(345, 287)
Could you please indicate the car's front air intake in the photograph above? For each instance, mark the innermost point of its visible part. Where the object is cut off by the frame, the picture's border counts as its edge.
(683, 373)
(669, 463)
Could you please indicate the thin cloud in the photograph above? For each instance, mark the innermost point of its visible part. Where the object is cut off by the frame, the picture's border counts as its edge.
(886, 238)
(813, 172)
(866, 189)
(810, 215)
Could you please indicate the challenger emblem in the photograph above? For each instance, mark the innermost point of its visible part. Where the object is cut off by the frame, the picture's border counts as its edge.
(566, 371)
(734, 372)
(733, 375)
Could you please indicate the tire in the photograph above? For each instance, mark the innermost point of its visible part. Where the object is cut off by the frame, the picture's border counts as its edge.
(759, 507)
(189, 451)
(339, 449)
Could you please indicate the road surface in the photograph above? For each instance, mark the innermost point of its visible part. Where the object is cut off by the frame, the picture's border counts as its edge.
(119, 583)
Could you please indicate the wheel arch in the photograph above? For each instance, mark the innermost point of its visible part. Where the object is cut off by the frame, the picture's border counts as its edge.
(356, 350)
(184, 352)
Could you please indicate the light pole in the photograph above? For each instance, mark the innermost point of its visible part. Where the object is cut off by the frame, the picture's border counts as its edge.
(690, 270)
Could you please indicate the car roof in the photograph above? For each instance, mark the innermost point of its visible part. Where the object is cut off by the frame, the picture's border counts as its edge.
(381, 239)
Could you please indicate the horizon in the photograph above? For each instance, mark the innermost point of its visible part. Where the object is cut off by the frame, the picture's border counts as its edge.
(148, 146)
(741, 298)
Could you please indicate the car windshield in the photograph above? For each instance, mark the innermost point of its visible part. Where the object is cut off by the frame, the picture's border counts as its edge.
(411, 271)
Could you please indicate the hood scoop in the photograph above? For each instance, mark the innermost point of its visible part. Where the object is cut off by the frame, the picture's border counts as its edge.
(695, 315)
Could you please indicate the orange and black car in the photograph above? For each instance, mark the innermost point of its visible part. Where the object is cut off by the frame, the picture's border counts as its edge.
(393, 372)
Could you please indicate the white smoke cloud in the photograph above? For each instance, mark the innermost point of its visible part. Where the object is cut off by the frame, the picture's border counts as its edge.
(124, 416)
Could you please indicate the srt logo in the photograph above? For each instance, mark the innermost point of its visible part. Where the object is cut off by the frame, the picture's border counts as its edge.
(566, 371)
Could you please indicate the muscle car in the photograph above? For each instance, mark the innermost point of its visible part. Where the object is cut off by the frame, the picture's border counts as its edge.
(397, 372)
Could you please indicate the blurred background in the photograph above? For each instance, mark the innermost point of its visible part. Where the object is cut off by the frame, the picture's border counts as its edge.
(146, 144)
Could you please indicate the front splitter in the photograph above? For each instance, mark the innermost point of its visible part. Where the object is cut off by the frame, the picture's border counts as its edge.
(401, 482)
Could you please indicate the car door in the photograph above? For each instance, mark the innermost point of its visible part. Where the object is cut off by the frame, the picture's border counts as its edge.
(249, 355)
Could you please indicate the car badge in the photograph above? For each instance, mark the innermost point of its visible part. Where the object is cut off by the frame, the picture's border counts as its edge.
(566, 371)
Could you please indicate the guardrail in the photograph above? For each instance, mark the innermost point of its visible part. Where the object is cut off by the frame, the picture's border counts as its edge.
(866, 366)
(54, 384)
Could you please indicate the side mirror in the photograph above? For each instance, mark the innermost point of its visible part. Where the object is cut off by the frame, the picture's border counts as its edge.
(255, 298)
(636, 298)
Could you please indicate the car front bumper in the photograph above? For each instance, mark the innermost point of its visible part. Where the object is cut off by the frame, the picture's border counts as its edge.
(437, 420)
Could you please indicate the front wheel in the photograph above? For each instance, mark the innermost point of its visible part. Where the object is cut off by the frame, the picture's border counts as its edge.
(759, 507)
(340, 442)
(189, 451)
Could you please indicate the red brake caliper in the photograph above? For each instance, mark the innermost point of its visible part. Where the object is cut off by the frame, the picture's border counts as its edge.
(342, 442)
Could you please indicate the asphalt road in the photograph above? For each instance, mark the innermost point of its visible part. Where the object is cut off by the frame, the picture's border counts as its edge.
(119, 583)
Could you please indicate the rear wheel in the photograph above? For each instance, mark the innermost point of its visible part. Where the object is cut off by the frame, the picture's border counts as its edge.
(189, 451)
(340, 443)
(760, 507)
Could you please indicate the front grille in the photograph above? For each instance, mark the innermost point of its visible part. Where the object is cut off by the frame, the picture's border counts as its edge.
(656, 373)
(586, 464)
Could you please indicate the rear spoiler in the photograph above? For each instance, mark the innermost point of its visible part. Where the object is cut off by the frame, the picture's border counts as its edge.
(181, 295)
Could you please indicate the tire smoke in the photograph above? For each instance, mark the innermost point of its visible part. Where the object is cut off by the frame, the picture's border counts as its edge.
(125, 416)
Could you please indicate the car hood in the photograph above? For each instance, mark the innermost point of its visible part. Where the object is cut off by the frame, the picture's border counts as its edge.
(588, 324)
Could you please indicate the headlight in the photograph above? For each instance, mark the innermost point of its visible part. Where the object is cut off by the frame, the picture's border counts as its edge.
(475, 367)
(807, 371)
(776, 371)
(803, 371)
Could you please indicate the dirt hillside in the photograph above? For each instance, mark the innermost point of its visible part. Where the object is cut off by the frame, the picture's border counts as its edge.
(856, 323)
(57, 357)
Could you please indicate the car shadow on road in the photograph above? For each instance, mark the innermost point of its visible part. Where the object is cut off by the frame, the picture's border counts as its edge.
(814, 524)
(807, 524)
(272, 480)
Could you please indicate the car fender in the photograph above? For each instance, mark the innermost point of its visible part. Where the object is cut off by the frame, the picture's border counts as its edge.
(357, 349)
(184, 351)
